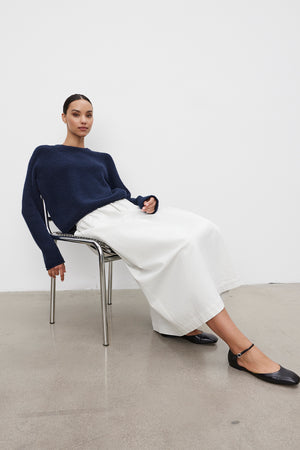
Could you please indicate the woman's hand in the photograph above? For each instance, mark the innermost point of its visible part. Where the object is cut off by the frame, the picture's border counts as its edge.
(58, 270)
(149, 205)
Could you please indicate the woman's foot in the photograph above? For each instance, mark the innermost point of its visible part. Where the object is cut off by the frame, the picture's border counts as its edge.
(256, 361)
(196, 337)
(194, 333)
(245, 356)
(199, 337)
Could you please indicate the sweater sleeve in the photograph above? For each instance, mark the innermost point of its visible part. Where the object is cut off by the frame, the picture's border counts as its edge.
(32, 211)
(116, 182)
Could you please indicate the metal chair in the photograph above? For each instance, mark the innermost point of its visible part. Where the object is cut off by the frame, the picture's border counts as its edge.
(105, 255)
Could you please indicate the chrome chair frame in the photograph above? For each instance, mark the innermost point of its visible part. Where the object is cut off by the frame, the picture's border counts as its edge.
(105, 255)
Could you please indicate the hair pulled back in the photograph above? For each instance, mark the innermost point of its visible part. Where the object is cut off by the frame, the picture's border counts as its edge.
(72, 98)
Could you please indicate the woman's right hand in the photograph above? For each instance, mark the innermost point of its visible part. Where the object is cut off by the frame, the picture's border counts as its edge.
(58, 270)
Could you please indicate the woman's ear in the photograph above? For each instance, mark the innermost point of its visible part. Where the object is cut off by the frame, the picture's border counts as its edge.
(64, 119)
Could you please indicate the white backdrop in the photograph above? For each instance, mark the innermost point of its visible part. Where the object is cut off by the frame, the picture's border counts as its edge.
(198, 102)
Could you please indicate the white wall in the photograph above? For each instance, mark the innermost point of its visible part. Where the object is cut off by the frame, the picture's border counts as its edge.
(197, 101)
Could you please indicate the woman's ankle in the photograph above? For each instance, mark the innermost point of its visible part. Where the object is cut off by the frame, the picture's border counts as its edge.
(240, 346)
(194, 332)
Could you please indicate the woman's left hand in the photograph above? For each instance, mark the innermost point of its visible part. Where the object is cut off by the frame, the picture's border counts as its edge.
(149, 205)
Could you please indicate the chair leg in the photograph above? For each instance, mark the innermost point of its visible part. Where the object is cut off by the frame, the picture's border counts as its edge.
(109, 296)
(103, 297)
(52, 300)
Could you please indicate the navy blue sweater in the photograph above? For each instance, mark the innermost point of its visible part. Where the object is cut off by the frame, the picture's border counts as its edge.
(73, 181)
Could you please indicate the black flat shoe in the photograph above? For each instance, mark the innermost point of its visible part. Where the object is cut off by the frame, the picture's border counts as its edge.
(282, 376)
(202, 338)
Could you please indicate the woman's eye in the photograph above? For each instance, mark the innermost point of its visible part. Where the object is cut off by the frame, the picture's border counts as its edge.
(75, 115)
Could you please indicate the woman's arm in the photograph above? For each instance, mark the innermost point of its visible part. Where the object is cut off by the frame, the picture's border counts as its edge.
(32, 210)
(148, 204)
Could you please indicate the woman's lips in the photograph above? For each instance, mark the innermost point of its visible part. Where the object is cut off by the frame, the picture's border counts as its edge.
(82, 128)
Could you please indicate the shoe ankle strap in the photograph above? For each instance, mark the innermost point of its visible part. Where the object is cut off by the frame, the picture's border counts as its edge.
(244, 351)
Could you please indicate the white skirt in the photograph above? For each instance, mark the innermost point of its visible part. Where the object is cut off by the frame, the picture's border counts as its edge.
(178, 258)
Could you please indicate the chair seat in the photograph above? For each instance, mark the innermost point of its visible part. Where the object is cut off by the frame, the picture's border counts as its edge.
(109, 253)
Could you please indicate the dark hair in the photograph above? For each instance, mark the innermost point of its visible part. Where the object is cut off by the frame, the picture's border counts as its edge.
(71, 99)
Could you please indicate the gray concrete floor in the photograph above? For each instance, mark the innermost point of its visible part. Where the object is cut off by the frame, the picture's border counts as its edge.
(61, 389)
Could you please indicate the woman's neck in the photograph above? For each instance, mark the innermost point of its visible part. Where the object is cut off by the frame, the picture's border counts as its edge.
(74, 141)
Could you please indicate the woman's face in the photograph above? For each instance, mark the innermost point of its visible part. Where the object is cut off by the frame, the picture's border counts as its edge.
(79, 117)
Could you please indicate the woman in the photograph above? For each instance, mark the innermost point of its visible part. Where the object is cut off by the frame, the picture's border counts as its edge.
(177, 257)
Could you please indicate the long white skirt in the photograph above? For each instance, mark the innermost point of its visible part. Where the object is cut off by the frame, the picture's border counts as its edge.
(178, 258)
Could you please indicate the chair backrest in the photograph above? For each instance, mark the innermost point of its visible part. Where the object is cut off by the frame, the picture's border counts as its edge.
(47, 216)
(109, 253)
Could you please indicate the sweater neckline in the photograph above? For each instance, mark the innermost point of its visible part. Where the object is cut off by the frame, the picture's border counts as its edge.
(71, 147)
